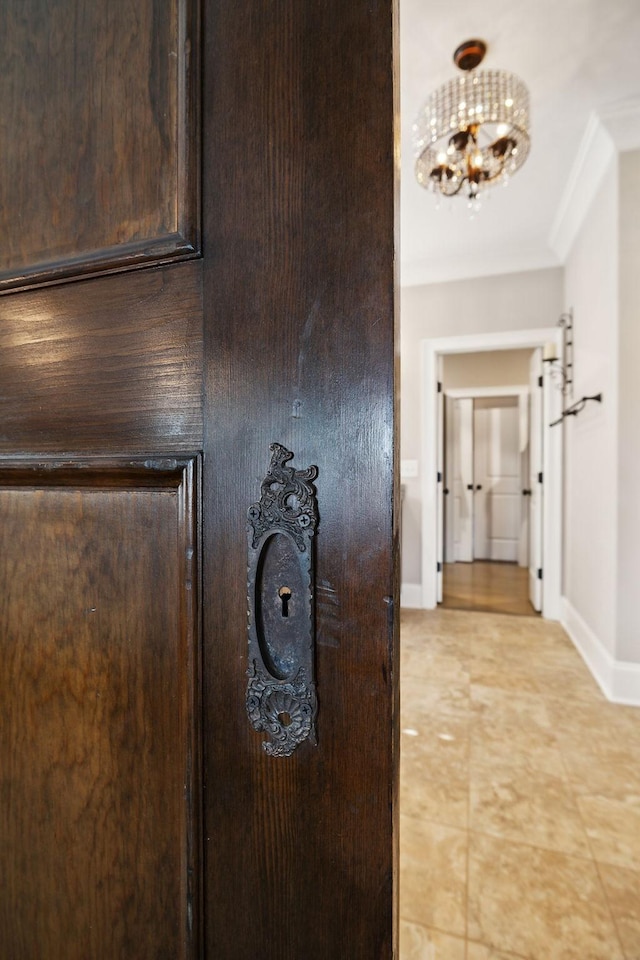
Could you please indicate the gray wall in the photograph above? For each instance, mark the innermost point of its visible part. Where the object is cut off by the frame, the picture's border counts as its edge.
(492, 368)
(515, 301)
(602, 503)
(628, 547)
(591, 288)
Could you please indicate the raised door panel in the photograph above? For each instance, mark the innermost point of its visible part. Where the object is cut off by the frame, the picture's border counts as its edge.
(99, 135)
(497, 481)
(504, 483)
(98, 725)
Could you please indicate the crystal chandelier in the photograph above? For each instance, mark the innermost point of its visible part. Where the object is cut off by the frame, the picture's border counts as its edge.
(473, 131)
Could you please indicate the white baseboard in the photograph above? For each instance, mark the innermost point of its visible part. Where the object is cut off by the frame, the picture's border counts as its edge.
(619, 680)
(411, 595)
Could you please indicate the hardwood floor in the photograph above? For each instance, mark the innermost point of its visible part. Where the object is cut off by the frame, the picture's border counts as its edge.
(487, 586)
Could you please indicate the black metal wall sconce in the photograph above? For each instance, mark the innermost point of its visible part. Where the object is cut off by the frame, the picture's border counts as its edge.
(576, 407)
(562, 369)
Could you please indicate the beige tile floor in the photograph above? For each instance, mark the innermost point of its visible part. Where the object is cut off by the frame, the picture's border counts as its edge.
(520, 796)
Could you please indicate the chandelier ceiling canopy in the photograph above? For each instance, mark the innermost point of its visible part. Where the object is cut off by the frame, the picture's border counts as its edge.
(474, 130)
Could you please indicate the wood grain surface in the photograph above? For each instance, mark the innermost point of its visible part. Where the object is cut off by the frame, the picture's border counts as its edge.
(98, 730)
(99, 137)
(109, 364)
(283, 331)
(299, 348)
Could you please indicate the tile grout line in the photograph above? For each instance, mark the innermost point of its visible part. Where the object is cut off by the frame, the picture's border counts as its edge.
(597, 864)
(594, 859)
(540, 697)
(534, 846)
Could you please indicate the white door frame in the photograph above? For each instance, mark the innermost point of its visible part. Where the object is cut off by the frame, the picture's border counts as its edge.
(519, 393)
(431, 350)
(536, 498)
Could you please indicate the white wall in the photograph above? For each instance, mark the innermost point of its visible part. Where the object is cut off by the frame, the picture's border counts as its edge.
(591, 288)
(516, 301)
(628, 521)
(602, 560)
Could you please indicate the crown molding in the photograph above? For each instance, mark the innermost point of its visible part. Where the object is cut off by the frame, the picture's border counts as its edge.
(612, 129)
(419, 273)
(622, 121)
(595, 153)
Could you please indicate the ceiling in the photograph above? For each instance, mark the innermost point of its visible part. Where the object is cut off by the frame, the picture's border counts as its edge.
(577, 57)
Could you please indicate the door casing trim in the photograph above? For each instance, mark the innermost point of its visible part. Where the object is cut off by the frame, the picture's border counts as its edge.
(430, 352)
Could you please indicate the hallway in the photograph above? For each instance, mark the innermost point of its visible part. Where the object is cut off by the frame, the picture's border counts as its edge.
(488, 586)
(520, 796)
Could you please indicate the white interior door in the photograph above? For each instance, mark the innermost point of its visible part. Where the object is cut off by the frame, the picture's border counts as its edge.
(497, 492)
(523, 542)
(440, 488)
(462, 487)
(536, 477)
(449, 539)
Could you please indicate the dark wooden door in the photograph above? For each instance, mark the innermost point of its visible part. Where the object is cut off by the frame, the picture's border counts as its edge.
(196, 262)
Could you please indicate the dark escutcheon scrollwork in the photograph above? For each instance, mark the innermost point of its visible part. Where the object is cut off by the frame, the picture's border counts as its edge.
(285, 711)
(288, 500)
(281, 692)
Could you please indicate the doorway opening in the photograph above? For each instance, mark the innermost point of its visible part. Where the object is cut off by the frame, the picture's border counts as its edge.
(487, 547)
(530, 499)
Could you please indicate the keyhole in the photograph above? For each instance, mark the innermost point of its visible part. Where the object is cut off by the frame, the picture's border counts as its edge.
(285, 595)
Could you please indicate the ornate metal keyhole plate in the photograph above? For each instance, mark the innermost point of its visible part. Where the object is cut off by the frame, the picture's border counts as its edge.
(281, 691)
